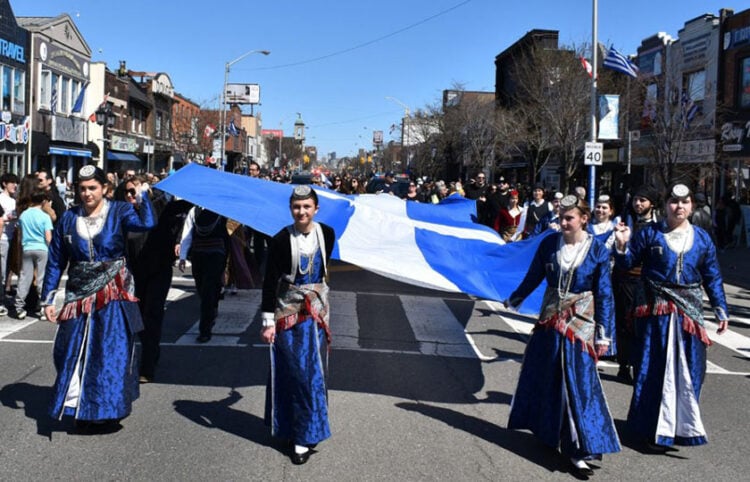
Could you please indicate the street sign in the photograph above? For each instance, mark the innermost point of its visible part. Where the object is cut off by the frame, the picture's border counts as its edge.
(593, 154)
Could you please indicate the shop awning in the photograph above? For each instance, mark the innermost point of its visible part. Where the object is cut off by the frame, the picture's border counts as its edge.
(67, 151)
(122, 156)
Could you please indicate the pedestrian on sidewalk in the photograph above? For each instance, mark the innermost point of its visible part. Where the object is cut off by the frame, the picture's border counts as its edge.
(559, 395)
(295, 323)
(670, 334)
(36, 234)
(97, 380)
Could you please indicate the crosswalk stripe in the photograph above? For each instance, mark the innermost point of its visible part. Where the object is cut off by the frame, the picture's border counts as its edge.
(436, 328)
(236, 314)
(344, 323)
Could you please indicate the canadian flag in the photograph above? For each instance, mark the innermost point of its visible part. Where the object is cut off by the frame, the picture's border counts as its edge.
(92, 117)
(208, 131)
(587, 65)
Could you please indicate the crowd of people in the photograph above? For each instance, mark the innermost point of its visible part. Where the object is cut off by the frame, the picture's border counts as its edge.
(120, 237)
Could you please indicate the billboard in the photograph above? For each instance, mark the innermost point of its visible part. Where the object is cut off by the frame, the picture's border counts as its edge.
(272, 133)
(243, 94)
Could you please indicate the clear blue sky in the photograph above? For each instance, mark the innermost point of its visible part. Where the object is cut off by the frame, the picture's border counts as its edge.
(335, 62)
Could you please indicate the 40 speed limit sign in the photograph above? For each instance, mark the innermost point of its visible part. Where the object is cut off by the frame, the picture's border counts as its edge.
(593, 154)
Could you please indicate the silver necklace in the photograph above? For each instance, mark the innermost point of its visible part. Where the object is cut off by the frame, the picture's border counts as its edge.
(570, 272)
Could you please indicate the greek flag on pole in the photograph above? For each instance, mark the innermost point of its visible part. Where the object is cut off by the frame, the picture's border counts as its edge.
(432, 246)
(616, 61)
(689, 108)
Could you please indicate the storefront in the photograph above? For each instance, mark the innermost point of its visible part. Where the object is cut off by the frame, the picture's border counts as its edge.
(14, 119)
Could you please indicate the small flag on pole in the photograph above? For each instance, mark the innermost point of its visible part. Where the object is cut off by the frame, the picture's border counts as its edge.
(53, 101)
(78, 106)
(689, 109)
(208, 131)
(92, 117)
(233, 128)
(616, 61)
(587, 65)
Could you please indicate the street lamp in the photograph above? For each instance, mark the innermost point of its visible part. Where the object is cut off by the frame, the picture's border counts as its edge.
(404, 126)
(105, 118)
(224, 98)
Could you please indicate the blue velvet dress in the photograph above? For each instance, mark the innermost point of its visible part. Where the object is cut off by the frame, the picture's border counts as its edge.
(97, 377)
(670, 348)
(559, 395)
(297, 399)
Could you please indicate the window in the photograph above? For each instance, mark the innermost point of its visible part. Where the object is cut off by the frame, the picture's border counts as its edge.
(744, 97)
(136, 121)
(44, 88)
(7, 87)
(19, 89)
(75, 89)
(695, 85)
(64, 96)
(157, 128)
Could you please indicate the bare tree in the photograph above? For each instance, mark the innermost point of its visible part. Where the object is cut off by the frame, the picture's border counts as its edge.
(552, 103)
(673, 109)
(468, 131)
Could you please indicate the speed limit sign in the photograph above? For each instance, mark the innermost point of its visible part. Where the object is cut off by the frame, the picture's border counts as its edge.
(593, 154)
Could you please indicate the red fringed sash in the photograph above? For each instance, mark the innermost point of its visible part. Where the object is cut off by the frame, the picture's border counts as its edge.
(114, 290)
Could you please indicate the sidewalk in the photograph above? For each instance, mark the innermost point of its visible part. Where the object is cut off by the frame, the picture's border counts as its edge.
(735, 266)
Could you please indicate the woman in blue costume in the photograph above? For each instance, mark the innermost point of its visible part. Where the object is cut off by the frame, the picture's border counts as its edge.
(670, 333)
(295, 323)
(604, 222)
(97, 378)
(559, 395)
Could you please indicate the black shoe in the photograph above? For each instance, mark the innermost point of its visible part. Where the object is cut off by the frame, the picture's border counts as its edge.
(581, 469)
(299, 459)
(652, 448)
(203, 338)
(624, 374)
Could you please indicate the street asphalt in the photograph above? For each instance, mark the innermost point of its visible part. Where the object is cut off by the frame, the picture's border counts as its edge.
(406, 403)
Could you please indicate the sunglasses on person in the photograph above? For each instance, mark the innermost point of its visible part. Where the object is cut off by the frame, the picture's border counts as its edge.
(130, 192)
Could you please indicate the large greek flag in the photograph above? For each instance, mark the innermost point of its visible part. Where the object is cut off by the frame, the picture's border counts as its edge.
(433, 246)
(617, 61)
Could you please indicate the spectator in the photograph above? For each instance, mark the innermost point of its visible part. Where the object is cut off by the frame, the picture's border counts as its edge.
(45, 183)
(36, 234)
(9, 183)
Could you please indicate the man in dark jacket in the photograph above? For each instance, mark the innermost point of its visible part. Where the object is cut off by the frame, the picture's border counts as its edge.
(46, 182)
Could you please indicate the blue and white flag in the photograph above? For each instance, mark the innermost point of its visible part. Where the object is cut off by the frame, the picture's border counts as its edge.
(78, 106)
(233, 128)
(432, 246)
(616, 61)
(53, 101)
(689, 109)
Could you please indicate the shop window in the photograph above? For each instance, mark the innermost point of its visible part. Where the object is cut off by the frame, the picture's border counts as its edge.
(7, 87)
(19, 91)
(744, 94)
